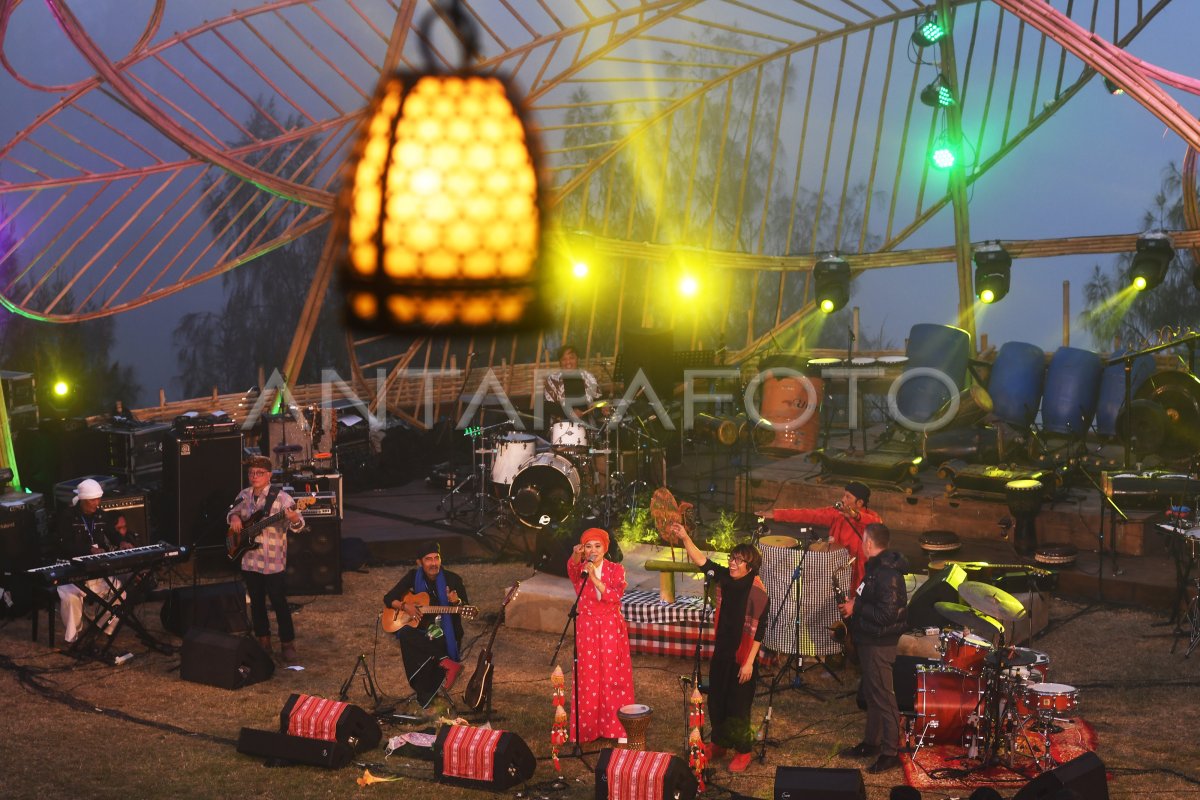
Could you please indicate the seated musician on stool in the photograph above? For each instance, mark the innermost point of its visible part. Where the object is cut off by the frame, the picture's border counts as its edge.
(877, 615)
(846, 520)
(431, 649)
(264, 568)
(741, 617)
(85, 529)
(568, 382)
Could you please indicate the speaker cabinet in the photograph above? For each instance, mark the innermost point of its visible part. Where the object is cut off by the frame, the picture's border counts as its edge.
(331, 720)
(481, 758)
(814, 783)
(314, 561)
(223, 660)
(632, 773)
(1083, 775)
(211, 606)
(279, 748)
(201, 478)
(133, 506)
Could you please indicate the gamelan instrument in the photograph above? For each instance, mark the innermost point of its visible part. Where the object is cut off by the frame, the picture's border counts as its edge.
(238, 543)
(393, 619)
(479, 688)
(115, 562)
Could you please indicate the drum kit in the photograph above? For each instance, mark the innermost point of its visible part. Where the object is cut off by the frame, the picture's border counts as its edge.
(994, 701)
(537, 483)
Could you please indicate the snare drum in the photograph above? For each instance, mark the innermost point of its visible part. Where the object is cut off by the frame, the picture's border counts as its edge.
(635, 719)
(946, 703)
(965, 652)
(1049, 699)
(570, 436)
(1030, 666)
(511, 452)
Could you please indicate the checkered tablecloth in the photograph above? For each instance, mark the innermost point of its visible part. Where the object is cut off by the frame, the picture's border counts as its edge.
(818, 610)
(666, 629)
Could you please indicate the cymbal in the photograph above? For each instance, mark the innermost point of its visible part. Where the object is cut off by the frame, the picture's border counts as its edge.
(991, 600)
(968, 617)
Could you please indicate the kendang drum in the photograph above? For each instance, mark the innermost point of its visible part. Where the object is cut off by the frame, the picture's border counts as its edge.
(947, 704)
(1024, 502)
(569, 436)
(511, 452)
(545, 490)
(635, 719)
(965, 652)
(1050, 699)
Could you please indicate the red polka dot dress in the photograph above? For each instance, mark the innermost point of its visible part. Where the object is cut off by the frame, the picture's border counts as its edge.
(605, 670)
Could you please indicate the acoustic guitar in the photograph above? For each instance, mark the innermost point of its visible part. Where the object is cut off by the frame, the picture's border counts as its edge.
(393, 619)
(238, 543)
(479, 688)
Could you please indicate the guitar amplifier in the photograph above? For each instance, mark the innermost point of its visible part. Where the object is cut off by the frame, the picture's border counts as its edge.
(322, 504)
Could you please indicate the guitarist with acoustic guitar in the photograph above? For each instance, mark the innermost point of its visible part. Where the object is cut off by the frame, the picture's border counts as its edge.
(264, 561)
(430, 642)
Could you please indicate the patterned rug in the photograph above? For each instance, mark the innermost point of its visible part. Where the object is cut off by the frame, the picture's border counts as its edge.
(943, 768)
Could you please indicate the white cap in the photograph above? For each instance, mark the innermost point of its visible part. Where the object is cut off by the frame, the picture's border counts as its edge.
(87, 489)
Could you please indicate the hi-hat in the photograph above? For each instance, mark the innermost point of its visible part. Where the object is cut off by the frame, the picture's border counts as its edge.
(991, 600)
(968, 618)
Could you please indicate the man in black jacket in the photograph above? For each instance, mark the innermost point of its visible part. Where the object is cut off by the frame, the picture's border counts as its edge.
(878, 615)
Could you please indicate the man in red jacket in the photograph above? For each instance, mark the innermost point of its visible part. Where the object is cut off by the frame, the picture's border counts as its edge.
(846, 520)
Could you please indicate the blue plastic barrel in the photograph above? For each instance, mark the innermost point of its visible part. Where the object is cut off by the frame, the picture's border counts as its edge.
(1015, 385)
(941, 347)
(1072, 389)
(1112, 391)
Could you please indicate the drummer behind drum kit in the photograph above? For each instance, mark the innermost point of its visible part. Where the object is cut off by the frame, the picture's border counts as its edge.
(993, 701)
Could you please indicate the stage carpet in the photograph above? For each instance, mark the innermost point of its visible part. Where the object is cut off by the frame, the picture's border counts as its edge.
(941, 768)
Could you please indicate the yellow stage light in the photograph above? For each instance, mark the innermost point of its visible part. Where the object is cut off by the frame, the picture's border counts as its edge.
(688, 286)
(61, 388)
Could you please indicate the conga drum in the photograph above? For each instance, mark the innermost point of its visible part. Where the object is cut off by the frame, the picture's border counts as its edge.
(1024, 502)
(635, 719)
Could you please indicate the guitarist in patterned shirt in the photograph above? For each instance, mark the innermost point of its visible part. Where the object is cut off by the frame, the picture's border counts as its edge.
(432, 649)
(263, 567)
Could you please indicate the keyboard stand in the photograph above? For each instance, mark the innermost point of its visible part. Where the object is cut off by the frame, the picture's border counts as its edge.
(121, 605)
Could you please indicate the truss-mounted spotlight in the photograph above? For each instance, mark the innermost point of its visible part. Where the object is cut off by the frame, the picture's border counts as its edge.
(937, 93)
(943, 154)
(831, 278)
(993, 268)
(579, 252)
(1150, 260)
(440, 213)
(930, 29)
(1113, 88)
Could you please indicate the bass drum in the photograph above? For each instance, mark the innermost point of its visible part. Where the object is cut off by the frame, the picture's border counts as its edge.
(545, 490)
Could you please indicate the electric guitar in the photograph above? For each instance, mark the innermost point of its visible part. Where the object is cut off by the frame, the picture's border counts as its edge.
(393, 619)
(479, 688)
(238, 543)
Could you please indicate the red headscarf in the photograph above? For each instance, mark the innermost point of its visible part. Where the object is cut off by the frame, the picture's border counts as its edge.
(595, 535)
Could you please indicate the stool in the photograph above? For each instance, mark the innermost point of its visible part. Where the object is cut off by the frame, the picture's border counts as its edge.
(1056, 554)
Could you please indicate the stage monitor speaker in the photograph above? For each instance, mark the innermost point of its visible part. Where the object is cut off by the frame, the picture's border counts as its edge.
(314, 561)
(201, 478)
(279, 748)
(632, 772)
(942, 587)
(331, 720)
(1083, 775)
(481, 758)
(223, 660)
(210, 606)
(815, 783)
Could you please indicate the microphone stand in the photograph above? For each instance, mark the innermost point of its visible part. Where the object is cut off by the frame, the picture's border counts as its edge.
(697, 651)
(572, 618)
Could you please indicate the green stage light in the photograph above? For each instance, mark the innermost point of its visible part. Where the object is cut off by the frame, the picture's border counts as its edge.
(1151, 258)
(943, 156)
(937, 93)
(930, 30)
(831, 277)
(993, 267)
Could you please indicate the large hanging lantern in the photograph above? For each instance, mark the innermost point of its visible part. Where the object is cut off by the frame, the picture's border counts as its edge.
(440, 213)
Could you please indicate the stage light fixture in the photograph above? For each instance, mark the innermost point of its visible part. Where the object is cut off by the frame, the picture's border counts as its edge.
(440, 209)
(1151, 258)
(930, 29)
(688, 286)
(937, 94)
(1113, 88)
(578, 250)
(993, 268)
(831, 279)
(943, 155)
(61, 388)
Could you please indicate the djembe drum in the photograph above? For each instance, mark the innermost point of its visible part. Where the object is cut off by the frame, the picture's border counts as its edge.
(1024, 503)
(635, 719)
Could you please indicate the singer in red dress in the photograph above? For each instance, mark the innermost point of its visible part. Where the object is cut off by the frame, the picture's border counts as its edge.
(604, 679)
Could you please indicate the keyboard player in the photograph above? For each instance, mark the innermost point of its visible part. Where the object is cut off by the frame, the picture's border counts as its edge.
(85, 529)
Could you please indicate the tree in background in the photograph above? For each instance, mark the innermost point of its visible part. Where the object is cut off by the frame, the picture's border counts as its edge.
(1176, 302)
(263, 299)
